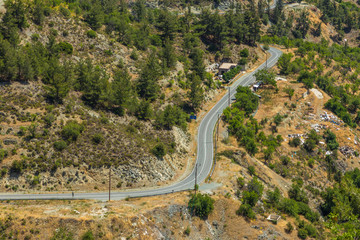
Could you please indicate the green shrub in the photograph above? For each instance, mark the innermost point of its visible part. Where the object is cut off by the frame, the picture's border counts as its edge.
(62, 234)
(49, 119)
(285, 160)
(250, 198)
(289, 206)
(65, 47)
(302, 233)
(91, 34)
(187, 231)
(35, 181)
(97, 138)
(311, 162)
(159, 150)
(60, 145)
(17, 166)
(35, 37)
(240, 182)
(246, 211)
(3, 154)
(65, 12)
(134, 55)
(3, 172)
(289, 228)
(244, 53)
(88, 236)
(311, 230)
(72, 130)
(274, 196)
(201, 205)
(297, 193)
(108, 52)
(295, 142)
(251, 170)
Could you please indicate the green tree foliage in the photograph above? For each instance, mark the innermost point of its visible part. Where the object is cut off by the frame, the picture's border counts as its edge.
(167, 24)
(289, 91)
(198, 66)
(246, 211)
(171, 116)
(273, 197)
(38, 12)
(278, 11)
(88, 236)
(60, 145)
(330, 139)
(303, 25)
(289, 206)
(65, 47)
(58, 79)
(148, 86)
(95, 17)
(284, 63)
(245, 100)
(278, 119)
(196, 94)
(336, 106)
(144, 111)
(15, 15)
(139, 10)
(92, 82)
(168, 55)
(250, 198)
(72, 130)
(159, 150)
(232, 73)
(312, 141)
(121, 91)
(298, 194)
(266, 76)
(201, 205)
(256, 186)
(307, 79)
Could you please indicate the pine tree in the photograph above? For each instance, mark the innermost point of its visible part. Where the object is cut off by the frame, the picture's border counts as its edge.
(168, 55)
(139, 10)
(121, 90)
(58, 80)
(148, 86)
(95, 18)
(196, 94)
(197, 62)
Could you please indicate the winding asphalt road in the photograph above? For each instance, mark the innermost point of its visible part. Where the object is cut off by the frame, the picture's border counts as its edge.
(205, 151)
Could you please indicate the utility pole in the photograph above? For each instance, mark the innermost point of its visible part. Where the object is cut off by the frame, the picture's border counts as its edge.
(217, 133)
(109, 182)
(229, 95)
(195, 178)
(266, 59)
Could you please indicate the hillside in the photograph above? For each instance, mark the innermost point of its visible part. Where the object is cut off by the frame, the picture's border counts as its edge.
(92, 86)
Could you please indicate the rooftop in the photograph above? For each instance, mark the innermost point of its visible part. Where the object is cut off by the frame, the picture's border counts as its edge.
(227, 65)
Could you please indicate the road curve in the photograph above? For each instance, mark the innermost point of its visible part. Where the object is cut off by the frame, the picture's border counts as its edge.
(204, 160)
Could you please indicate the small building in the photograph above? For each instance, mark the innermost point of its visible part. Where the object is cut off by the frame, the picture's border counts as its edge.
(274, 218)
(225, 67)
